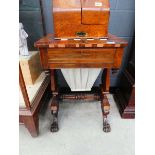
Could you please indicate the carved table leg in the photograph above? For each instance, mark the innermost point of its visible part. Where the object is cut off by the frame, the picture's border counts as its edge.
(54, 104)
(105, 106)
(54, 112)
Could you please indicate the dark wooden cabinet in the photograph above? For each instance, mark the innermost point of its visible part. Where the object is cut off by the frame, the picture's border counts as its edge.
(125, 93)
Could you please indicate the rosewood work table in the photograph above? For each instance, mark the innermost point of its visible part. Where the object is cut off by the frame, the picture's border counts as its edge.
(81, 53)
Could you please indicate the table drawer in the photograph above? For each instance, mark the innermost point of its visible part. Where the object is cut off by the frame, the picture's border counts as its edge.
(81, 55)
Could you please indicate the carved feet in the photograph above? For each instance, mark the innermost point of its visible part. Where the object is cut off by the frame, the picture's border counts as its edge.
(105, 111)
(54, 112)
(106, 126)
(54, 125)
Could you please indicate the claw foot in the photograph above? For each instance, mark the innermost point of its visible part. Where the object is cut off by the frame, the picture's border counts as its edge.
(106, 127)
(54, 127)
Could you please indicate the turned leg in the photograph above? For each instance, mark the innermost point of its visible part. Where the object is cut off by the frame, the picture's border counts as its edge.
(105, 106)
(54, 104)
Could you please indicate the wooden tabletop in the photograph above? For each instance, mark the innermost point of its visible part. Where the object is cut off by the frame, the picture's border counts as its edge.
(49, 42)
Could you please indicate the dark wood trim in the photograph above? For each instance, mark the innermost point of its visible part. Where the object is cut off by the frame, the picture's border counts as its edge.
(129, 77)
(126, 111)
(125, 97)
(43, 58)
(53, 80)
(106, 79)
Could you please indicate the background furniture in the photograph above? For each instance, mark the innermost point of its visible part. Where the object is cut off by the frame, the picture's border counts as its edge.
(33, 98)
(31, 15)
(125, 93)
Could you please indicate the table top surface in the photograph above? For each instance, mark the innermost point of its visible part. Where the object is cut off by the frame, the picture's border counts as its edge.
(49, 42)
